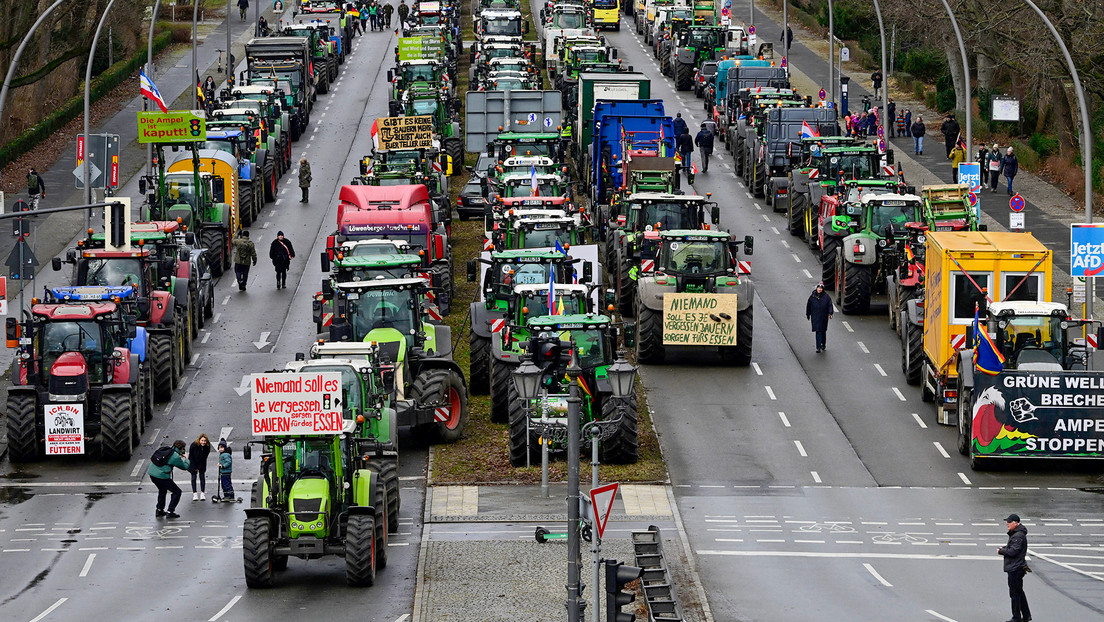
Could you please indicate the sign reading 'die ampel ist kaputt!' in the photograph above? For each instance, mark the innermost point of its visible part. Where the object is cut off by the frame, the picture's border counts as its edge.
(178, 126)
(294, 403)
(699, 319)
(405, 133)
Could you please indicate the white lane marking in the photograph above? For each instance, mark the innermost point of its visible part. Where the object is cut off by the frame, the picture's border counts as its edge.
(899, 395)
(919, 421)
(206, 336)
(801, 449)
(226, 300)
(748, 194)
(757, 206)
(398, 544)
(785, 421)
(313, 137)
(225, 432)
(137, 467)
(848, 326)
(283, 191)
(725, 164)
(323, 115)
(775, 230)
(402, 618)
(156, 435)
(785, 243)
(816, 476)
(877, 576)
(770, 392)
(880, 370)
(806, 272)
(278, 201)
(939, 615)
(195, 357)
(965, 480)
(266, 225)
(87, 565)
(169, 407)
(767, 218)
(942, 452)
(758, 371)
(49, 610)
(215, 319)
(222, 612)
(862, 346)
(796, 258)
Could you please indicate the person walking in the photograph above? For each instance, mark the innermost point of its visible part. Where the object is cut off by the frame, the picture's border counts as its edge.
(957, 156)
(818, 310)
(994, 167)
(281, 252)
(788, 37)
(387, 11)
(197, 465)
(907, 131)
(679, 125)
(704, 141)
(891, 118)
(244, 253)
(950, 131)
(243, 6)
(373, 16)
(404, 10)
(160, 471)
(918, 131)
(36, 188)
(685, 146)
(1009, 166)
(876, 80)
(983, 161)
(304, 179)
(1015, 565)
(226, 471)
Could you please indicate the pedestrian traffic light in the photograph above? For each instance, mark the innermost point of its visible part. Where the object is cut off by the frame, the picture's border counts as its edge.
(617, 575)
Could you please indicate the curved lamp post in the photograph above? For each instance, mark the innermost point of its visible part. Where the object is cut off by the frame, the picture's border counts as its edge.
(87, 92)
(149, 74)
(966, 79)
(19, 53)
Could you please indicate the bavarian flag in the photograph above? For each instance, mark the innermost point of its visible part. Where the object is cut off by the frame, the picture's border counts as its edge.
(987, 358)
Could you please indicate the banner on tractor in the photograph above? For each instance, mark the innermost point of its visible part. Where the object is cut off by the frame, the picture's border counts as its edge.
(418, 48)
(64, 429)
(1031, 414)
(178, 126)
(290, 404)
(699, 319)
(405, 133)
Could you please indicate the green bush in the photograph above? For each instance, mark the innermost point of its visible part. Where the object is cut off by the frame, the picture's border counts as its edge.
(1028, 157)
(1043, 144)
(929, 100)
(945, 93)
(74, 106)
(924, 63)
(920, 90)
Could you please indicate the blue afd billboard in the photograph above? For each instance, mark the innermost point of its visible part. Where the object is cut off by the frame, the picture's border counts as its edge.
(1086, 249)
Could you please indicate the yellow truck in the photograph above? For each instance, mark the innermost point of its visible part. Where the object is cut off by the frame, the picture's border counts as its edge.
(965, 271)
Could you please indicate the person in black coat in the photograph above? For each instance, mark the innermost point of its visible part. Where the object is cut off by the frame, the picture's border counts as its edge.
(704, 141)
(951, 131)
(819, 309)
(685, 145)
(1015, 565)
(197, 465)
(679, 125)
(281, 253)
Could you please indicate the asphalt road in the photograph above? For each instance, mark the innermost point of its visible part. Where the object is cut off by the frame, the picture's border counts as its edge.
(79, 537)
(819, 485)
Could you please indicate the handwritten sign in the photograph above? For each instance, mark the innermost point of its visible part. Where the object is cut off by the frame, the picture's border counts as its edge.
(64, 429)
(416, 48)
(405, 133)
(699, 319)
(294, 403)
(179, 126)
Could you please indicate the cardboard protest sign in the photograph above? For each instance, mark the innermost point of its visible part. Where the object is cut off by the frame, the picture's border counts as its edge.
(699, 319)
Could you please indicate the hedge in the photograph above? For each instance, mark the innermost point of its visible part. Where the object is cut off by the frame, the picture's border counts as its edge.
(74, 107)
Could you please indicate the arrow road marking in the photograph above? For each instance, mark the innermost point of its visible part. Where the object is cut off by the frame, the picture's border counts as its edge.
(225, 433)
(877, 576)
(264, 340)
(88, 564)
(49, 610)
(242, 388)
(222, 612)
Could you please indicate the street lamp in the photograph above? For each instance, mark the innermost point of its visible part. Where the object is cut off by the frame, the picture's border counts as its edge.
(87, 93)
(149, 74)
(885, 82)
(575, 602)
(966, 79)
(622, 377)
(195, 70)
(19, 53)
(527, 379)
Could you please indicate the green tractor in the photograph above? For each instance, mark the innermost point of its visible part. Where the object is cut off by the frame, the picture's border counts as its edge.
(359, 268)
(505, 270)
(690, 263)
(323, 53)
(277, 119)
(696, 44)
(427, 72)
(425, 100)
(554, 341)
(816, 174)
(865, 257)
(428, 389)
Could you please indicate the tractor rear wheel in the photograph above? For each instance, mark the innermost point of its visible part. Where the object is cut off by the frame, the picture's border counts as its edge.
(523, 443)
(911, 359)
(214, 240)
(443, 388)
(360, 554)
(23, 440)
(684, 77)
(245, 200)
(812, 233)
(828, 262)
(623, 446)
(270, 178)
(799, 202)
(626, 288)
(389, 475)
(163, 365)
(116, 425)
(502, 378)
(649, 335)
(737, 161)
(257, 555)
(856, 282)
(479, 371)
(740, 354)
(380, 496)
(758, 183)
(145, 391)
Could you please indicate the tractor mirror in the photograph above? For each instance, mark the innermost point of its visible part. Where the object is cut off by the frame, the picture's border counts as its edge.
(341, 331)
(56, 263)
(190, 238)
(132, 330)
(588, 271)
(247, 452)
(71, 255)
(525, 28)
(982, 227)
(184, 256)
(613, 52)
(143, 305)
(300, 356)
(715, 215)
(11, 332)
(610, 297)
(628, 334)
(218, 188)
(889, 157)
(325, 258)
(363, 167)
(327, 289)
(749, 244)
(390, 75)
(471, 271)
(141, 185)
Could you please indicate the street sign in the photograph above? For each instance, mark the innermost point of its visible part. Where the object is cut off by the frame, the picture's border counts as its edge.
(881, 131)
(176, 126)
(29, 262)
(845, 55)
(296, 403)
(725, 12)
(881, 145)
(751, 30)
(1079, 290)
(601, 501)
(95, 177)
(1086, 249)
(783, 61)
(1016, 221)
(831, 104)
(101, 153)
(1016, 203)
(822, 94)
(973, 197)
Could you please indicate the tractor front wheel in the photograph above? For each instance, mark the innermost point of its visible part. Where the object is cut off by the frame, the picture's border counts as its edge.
(622, 447)
(444, 389)
(965, 420)
(24, 442)
(389, 476)
(380, 496)
(163, 366)
(257, 553)
(740, 354)
(116, 425)
(911, 351)
(855, 281)
(360, 554)
(502, 375)
(796, 222)
(649, 338)
(828, 262)
(214, 240)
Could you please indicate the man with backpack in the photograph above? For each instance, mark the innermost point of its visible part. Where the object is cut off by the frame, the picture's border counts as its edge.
(160, 472)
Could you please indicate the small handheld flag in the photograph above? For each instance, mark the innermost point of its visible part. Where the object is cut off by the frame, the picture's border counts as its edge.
(807, 130)
(150, 92)
(987, 358)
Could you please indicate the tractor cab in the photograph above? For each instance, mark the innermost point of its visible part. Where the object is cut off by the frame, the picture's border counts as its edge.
(354, 269)
(698, 261)
(1032, 335)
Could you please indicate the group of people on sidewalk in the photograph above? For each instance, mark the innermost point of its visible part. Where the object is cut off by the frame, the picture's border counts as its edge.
(194, 461)
(994, 162)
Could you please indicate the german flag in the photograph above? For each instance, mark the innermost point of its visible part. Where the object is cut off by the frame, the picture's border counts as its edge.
(585, 388)
(199, 92)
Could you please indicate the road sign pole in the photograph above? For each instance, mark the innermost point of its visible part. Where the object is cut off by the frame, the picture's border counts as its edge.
(831, 52)
(573, 544)
(149, 74)
(596, 541)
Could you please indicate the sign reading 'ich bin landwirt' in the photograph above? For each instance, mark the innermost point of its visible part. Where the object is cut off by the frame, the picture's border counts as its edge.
(405, 133)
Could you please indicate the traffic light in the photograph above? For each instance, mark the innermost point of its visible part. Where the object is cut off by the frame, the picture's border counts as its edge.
(617, 575)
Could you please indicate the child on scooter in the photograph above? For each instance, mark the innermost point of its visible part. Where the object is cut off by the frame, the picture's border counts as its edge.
(226, 470)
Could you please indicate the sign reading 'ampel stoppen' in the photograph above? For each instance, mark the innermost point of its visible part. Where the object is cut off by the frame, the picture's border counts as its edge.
(288, 404)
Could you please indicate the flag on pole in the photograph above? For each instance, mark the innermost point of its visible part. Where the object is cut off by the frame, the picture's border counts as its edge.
(807, 130)
(551, 291)
(533, 186)
(150, 92)
(987, 358)
(375, 134)
(560, 248)
(693, 168)
(199, 92)
(678, 158)
(559, 305)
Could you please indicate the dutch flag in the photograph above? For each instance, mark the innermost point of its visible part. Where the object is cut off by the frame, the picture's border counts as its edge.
(150, 92)
(807, 130)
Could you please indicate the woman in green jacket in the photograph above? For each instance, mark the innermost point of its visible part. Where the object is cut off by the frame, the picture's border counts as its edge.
(161, 476)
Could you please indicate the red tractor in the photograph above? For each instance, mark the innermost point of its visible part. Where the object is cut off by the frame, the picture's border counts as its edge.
(150, 301)
(81, 373)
